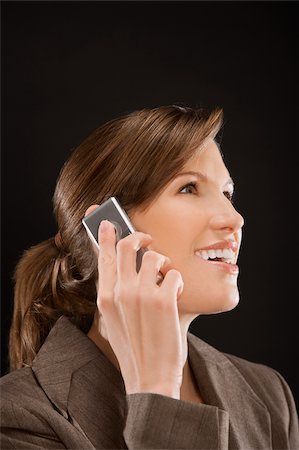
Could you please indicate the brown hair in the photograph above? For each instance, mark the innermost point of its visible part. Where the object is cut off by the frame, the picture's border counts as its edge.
(133, 158)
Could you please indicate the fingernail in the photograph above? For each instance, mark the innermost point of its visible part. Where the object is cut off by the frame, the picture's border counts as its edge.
(104, 225)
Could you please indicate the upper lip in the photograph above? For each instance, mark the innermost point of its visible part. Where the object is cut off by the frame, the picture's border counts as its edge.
(233, 245)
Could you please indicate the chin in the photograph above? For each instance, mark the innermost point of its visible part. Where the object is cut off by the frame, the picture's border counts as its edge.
(230, 304)
(213, 304)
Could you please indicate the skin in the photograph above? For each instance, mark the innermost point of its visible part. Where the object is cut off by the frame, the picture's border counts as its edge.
(179, 221)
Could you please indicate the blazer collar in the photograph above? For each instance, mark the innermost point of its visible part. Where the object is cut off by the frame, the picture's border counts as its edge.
(88, 389)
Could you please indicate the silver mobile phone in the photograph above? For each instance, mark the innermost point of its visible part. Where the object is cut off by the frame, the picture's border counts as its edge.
(112, 211)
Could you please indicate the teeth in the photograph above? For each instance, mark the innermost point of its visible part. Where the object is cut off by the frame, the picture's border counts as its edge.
(226, 254)
(212, 254)
(204, 255)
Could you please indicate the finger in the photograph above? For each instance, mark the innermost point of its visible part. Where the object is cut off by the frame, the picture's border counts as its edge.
(90, 209)
(106, 261)
(152, 264)
(126, 251)
(172, 284)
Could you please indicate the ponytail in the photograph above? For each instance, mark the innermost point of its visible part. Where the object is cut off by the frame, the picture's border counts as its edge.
(46, 287)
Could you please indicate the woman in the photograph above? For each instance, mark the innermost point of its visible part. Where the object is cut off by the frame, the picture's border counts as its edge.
(104, 354)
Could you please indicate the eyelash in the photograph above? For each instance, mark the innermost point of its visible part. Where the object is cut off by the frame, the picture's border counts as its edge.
(227, 194)
(194, 185)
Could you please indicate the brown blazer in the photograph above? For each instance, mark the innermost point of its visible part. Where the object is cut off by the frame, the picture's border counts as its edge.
(73, 397)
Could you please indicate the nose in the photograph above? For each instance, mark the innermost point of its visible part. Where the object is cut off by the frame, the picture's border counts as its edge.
(227, 218)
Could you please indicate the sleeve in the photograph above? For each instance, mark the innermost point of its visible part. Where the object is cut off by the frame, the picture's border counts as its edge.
(21, 429)
(155, 421)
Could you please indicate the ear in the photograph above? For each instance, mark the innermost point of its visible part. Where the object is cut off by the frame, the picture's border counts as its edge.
(90, 209)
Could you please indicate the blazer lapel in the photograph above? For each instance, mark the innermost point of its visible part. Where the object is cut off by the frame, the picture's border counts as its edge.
(97, 401)
(222, 385)
(83, 385)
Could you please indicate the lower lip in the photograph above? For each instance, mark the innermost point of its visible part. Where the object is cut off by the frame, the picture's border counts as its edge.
(232, 269)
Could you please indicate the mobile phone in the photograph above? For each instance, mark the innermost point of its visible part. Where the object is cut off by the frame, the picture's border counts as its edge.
(111, 210)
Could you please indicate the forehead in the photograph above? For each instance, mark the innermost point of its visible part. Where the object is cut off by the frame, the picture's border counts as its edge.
(208, 160)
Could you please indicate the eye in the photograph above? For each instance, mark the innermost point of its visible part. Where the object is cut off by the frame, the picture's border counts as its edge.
(189, 186)
(229, 195)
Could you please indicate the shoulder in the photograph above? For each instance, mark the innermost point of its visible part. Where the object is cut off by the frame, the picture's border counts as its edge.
(267, 383)
(23, 402)
(18, 380)
(21, 388)
(270, 386)
(260, 376)
(273, 390)
(23, 395)
(29, 419)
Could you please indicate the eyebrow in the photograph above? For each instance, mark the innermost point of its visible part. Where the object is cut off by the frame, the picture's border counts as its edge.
(202, 177)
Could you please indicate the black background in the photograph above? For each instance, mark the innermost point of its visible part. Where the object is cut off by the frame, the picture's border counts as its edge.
(67, 67)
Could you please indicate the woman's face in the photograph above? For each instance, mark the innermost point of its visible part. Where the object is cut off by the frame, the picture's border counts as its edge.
(193, 213)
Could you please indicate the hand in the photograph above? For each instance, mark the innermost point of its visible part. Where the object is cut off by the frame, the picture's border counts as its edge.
(141, 318)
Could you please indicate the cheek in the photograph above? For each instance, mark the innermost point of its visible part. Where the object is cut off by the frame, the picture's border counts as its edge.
(177, 244)
(171, 234)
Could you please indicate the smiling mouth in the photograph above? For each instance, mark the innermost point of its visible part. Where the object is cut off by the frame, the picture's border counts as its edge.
(224, 261)
(225, 255)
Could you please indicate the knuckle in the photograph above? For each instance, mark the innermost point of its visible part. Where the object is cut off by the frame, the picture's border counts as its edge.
(123, 244)
(133, 240)
(106, 258)
(174, 274)
(160, 303)
(141, 236)
(150, 256)
(104, 300)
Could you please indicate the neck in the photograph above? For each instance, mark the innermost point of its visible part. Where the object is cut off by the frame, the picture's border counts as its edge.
(189, 390)
(188, 387)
